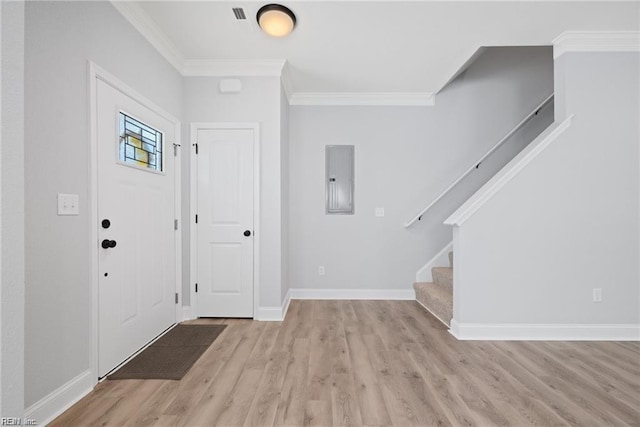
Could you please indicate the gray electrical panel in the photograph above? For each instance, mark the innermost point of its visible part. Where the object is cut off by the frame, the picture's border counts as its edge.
(339, 179)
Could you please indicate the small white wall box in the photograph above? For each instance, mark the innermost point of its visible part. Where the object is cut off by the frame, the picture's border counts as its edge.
(230, 86)
(339, 179)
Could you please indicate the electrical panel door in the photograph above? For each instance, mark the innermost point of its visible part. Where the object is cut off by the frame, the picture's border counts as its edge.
(339, 179)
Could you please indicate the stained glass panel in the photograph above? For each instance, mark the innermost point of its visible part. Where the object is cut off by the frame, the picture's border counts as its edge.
(140, 144)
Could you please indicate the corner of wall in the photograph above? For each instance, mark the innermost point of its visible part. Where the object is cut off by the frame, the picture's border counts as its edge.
(12, 245)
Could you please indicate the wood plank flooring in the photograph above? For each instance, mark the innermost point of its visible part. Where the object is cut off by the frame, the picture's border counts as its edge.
(376, 363)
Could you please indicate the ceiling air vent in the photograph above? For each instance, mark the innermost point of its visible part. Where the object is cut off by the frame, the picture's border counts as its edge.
(239, 13)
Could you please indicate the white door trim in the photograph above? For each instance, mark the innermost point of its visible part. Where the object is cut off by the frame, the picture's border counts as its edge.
(256, 208)
(95, 72)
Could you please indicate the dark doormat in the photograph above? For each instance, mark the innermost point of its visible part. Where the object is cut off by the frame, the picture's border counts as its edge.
(171, 357)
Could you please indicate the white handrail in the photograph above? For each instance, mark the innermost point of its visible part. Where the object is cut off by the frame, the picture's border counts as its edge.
(480, 160)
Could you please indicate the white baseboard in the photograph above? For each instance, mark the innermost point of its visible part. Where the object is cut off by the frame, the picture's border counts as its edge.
(366, 294)
(285, 304)
(274, 314)
(186, 313)
(441, 259)
(541, 332)
(55, 403)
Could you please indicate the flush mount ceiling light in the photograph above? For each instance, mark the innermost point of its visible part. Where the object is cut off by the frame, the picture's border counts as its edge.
(276, 20)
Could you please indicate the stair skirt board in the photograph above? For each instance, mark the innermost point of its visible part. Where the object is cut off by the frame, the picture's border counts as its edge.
(434, 315)
(439, 259)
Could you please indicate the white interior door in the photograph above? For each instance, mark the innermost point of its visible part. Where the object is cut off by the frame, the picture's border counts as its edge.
(136, 205)
(225, 186)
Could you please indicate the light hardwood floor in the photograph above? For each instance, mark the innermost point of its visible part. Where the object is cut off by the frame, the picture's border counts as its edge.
(376, 363)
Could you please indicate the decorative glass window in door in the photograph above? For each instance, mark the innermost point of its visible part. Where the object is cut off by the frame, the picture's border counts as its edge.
(140, 144)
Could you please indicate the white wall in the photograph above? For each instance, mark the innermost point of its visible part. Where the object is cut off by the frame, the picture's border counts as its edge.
(259, 101)
(60, 38)
(569, 222)
(284, 189)
(12, 212)
(404, 157)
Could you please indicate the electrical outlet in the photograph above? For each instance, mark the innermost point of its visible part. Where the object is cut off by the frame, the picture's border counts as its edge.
(597, 294)
(321, 270)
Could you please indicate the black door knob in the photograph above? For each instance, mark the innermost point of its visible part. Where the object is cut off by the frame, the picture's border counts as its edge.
(106, 244)
(106, 223)
(247, 233)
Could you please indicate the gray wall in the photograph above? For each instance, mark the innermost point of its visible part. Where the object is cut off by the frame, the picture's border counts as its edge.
(405, 156)
(569, 222)
(60, 38)
(12, 226)
(259, 101)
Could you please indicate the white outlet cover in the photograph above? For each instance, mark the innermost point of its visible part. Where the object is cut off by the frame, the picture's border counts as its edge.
(379, 212)
(68, 204)
(597, 294)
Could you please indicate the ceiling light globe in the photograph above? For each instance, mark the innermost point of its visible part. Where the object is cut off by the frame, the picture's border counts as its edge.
(276, 20)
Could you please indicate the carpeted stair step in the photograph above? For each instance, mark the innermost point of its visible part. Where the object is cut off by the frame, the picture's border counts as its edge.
(443, 276)
(437, 299)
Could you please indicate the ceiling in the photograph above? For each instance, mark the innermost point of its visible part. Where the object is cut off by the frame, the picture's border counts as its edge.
(362, 47)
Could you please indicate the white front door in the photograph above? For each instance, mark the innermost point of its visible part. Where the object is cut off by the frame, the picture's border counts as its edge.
(136, 205)
(224, 229)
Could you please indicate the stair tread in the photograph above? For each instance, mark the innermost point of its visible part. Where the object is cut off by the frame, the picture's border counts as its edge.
(438, 299)
(435, 288)
(443, 276)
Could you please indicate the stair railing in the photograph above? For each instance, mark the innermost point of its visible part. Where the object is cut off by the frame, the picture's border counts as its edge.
(476, 164)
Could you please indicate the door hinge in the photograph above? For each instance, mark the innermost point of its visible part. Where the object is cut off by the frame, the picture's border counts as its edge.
(176, 297)
(195, 144)
(175, 149)
(196, 218)
(175, 224)
(196, 287)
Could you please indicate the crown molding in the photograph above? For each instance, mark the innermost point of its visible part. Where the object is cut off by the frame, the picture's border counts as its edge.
(233, 68)
(141, 21)
(363, 98)
(287, 83)
(596, 41)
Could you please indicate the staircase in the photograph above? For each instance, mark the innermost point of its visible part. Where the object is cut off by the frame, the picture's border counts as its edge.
(437, 297)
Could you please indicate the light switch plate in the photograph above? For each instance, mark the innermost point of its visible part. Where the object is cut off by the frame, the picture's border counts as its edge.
(379, 211)
(68, 204)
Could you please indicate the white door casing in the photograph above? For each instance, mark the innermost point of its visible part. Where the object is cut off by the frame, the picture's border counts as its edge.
(135, 281)
(225, 201)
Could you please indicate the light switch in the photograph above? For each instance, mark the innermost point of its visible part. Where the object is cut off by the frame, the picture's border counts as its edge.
(68, 204)
(379, 211)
